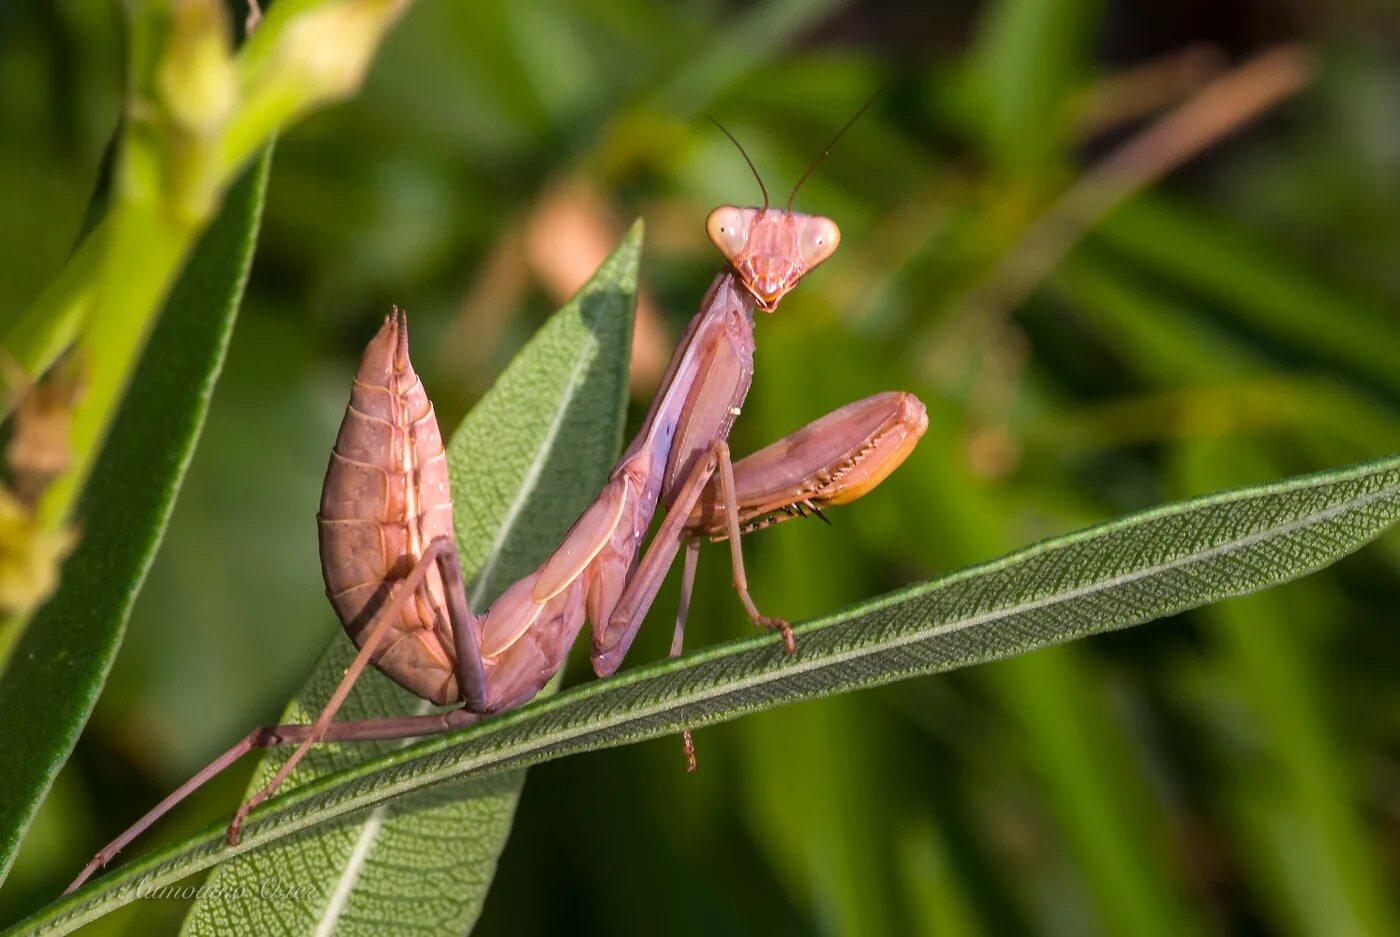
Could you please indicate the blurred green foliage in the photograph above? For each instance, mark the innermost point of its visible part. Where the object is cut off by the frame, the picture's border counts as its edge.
(1231, 771)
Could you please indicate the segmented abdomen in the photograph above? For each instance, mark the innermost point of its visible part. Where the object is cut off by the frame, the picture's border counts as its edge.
(386, 497)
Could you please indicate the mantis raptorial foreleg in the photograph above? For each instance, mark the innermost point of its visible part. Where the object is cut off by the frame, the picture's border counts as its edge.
(832, 460)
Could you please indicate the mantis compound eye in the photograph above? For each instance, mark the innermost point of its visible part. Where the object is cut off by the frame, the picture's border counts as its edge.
(728, 228)
(818, 240)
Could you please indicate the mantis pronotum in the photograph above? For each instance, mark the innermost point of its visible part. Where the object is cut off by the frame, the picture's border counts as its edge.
(391, 566)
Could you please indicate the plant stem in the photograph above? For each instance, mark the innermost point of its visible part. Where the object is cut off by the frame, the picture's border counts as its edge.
(196, 114)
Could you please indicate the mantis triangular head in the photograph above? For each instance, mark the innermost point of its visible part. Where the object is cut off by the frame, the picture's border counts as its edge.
(771, 249)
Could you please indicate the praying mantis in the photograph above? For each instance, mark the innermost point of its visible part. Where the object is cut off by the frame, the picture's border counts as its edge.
(390, 562)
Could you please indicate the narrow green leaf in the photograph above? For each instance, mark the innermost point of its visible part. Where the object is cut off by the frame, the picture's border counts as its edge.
(747, 39)
(1116, 829)
(1259, 285)
(1133, 570)
(48, 690)
(1029, 58)
(524, 464)
(930, 875)
(1292, 795)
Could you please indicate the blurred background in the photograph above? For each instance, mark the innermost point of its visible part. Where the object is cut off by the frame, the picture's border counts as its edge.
(1126, 253)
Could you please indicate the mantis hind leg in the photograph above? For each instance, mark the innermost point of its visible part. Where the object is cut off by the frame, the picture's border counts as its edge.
(471, 674)
(273, 737)
(471, 682)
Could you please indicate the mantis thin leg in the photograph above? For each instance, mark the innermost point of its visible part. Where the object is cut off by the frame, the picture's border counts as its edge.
(692, 557)
(470, 675)
(612, 642)
(642, 587)
(469, 668)
(403, 727)
(466, 630)
(728, 491)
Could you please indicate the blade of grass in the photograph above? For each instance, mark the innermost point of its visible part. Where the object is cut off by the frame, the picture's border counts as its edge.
(1029, 59)
(1254, 282)
(1117, 831)
(938, 898)
(746, 41)
(828, 843)
(1079, 756)
(1328, 878)
(1293, 795)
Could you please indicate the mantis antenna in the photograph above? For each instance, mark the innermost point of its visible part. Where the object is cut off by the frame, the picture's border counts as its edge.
(725, 130)
(824, 153)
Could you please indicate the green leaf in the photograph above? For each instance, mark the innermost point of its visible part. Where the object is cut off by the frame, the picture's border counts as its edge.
(1288, 788)
(48, 690)
(1256, 283)
(747, 39)
(1133, 570)
(524, 463)
(1029, 58)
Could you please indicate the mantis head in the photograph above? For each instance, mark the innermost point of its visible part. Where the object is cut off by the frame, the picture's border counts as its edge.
(771, 249)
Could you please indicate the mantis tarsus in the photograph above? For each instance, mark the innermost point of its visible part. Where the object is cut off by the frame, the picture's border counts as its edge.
(391, 566)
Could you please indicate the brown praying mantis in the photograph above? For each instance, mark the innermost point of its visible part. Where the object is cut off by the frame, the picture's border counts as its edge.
(390, 562)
